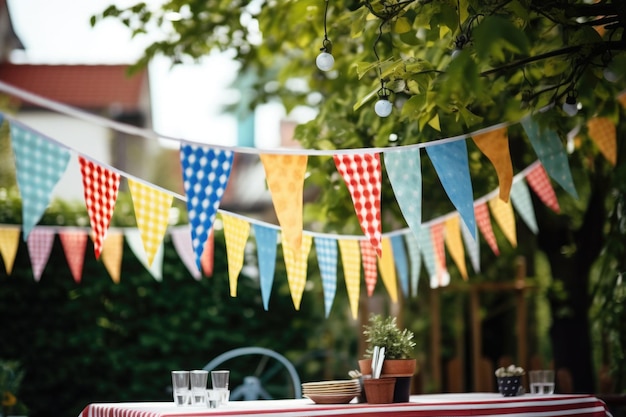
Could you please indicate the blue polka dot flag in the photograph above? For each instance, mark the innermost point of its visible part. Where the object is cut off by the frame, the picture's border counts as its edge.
(451, 163)
(266, 242)
(205, 177)
(39, 164)
(416, 262)
(520, 197)
(326, 250)
(402, 264)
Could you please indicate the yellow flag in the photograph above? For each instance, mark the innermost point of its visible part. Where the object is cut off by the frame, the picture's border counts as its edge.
(112, 252)
(351, 261)
(296, 264)
(503, 214)
(602, 131)
(9, 242)
(236, 232)
(285, 180)
(152, 212)
(388, 270)
(454, 243)
(495, 145)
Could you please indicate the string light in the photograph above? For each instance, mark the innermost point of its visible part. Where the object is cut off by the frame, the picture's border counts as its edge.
(325, 61)
(383, 106)
(570, 106)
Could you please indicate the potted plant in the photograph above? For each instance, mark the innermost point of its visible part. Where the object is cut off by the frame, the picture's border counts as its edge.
(509, 380)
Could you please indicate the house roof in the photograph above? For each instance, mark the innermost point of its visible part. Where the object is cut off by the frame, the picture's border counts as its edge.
(89, 87)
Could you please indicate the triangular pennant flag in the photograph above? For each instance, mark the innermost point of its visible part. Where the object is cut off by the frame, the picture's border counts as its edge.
(472, 246)
(205, 176)
(39, 244)
(520, 197)
(404, 170)
(503, 214)
(181, 239)
(388, 270)
(236, 233)
(1, 119)
(454, 244)
(426, 246)
(416, 262)
(136, 244)
(74, 243)
(370, 269)
(326, 250)
(207, 261)
(100, 187)
(266, 242)
(538, 180)
(39, 165)
(285, 180)
(451, 163)
(9, 242)
(495, 145)
(362, 175)
(112, 254)
(603, 132)
(484, 224)
(437, 232)
(551, 153)
(296, 264)
(152, 212)
(351, 261)
(401, 262)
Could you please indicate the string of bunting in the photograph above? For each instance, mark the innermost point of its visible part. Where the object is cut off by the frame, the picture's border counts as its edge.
(41, 161)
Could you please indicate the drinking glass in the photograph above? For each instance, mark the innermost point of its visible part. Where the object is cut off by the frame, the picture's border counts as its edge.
(180, 387)
(219, 379)
(199, 380)
(541, 382)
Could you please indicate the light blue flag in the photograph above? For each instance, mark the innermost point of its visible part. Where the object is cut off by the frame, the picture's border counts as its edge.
(205, 177)
(326, 250)
(551, 153)
(135, 243)
(425, 243)
(520, 197)
(404, 170)
(1, 119)
(416, 261)
(399, 257)
(451, 163)
(471, 246)
(266, 242)
(39, 164)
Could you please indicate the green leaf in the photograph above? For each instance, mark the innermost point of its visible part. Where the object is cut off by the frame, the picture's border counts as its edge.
(402, 25)
(495, 36)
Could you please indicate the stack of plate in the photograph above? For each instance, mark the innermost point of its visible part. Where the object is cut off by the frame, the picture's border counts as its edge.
(332, 392)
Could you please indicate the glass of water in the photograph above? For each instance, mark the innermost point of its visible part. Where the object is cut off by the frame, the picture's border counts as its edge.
(541, 382)
(180, 387)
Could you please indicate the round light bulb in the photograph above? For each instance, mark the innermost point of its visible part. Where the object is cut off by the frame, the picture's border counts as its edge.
(456, 52)
(611, 75)
(325, 61)
(383, 107)
(570, 107)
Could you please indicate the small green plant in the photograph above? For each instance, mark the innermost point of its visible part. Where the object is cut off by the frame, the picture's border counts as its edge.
(510, 370)
(383, 331)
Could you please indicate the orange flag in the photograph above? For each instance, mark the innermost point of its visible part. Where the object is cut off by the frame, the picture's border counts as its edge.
(495, 145)
(368, 256)
(74, 243)
(503, 214)
(454, 243)
(236, 232)
(285, 180)
(296, 263)
(9, 242)
(207, 260)
(388, 270)
(602, 131)
(351, 261)
(437, 235)
(112, 252)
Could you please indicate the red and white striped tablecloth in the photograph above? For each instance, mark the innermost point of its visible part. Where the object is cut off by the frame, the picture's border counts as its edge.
(437, 405)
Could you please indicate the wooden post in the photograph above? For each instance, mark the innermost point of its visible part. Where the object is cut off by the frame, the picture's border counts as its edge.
(522, 313)
(476, 336)
(435, 340)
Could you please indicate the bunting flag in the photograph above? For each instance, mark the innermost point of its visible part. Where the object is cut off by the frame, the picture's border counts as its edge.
(370, 270)
(404, 170)
(402, 264)
(388, 271)
(520, 197)
(112, 254)
(100, 187)
(285, 179)
(266, 242)
(551, 153)
(39, 166)
(205, 176)
(74, 244)
(296, 264)
(603, 132)
(437, 232)
(207, 261)
(9, 242)
(484, 224)
(415, 262)
(236, 233)
(326, 250)
(495, 145)
(425, 243)
(472, 246)
(503, 214)
(152, 212)
(39, 244)
(451, 164)
(454, 244)
(181, 239)
(136, 244)
(351, 261)
(538, 180)
(362, 175)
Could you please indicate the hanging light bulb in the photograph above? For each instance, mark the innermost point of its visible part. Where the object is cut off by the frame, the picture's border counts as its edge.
(325, 60)
(611, 75)
(570, 106)
(459, 43)
(383, 106)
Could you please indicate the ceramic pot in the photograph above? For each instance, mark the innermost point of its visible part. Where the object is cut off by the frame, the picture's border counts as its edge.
(401, 369)
(380, 390)
(509, 385)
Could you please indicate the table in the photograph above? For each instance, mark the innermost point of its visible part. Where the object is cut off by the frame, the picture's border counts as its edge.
(437, 405)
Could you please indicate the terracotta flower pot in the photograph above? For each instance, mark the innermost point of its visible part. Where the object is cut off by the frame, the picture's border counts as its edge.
(391, 367)
(380, 390)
